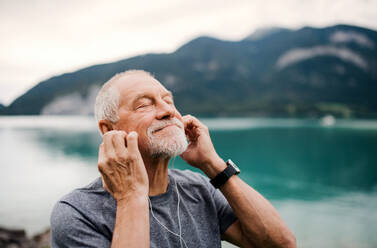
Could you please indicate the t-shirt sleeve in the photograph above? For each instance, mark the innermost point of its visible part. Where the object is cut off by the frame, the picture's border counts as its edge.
(225, 213)
(70, 229)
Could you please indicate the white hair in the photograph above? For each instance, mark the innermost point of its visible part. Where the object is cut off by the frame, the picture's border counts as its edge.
(108, 98)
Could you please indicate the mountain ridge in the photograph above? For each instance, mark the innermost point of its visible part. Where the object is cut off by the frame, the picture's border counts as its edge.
(309, 72)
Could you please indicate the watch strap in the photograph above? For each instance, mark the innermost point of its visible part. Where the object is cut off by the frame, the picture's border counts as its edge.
(221, 178)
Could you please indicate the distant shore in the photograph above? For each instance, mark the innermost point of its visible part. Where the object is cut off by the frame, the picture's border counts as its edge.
(17, 238)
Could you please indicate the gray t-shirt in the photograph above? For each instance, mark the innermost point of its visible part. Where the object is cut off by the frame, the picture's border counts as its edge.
(86, 216)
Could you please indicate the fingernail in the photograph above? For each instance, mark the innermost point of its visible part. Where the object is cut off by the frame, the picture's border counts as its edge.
(133, 133)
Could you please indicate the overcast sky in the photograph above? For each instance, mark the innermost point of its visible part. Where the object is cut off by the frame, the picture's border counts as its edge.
(43, 38)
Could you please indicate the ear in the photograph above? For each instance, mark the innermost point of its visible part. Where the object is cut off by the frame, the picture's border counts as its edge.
(105, 126)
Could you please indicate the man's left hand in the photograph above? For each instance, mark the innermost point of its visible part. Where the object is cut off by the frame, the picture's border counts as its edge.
(200, 152)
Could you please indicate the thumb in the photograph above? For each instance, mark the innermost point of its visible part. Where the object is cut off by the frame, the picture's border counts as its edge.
(186, 153)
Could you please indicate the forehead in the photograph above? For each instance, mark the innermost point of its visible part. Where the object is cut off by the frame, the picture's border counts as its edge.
(132, 86)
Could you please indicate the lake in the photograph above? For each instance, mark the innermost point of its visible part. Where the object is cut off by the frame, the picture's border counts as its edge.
(321, 177)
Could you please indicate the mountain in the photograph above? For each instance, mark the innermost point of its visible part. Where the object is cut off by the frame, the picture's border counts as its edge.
(276, 72)
(262, 33)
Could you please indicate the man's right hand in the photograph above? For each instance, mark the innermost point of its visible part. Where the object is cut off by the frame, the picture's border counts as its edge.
(121, 165)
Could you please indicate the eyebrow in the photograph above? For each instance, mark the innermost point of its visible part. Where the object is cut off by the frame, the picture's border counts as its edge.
(143, 95)
(169, 94)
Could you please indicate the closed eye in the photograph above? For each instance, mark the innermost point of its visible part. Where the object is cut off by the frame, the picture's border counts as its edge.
(143, 103)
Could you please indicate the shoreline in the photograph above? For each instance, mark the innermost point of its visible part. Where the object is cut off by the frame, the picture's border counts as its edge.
(17, 238)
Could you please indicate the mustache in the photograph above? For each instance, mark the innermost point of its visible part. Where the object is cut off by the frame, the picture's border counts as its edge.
(163, 123)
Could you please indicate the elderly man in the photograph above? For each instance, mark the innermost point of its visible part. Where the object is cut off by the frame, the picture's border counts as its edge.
(139, 202)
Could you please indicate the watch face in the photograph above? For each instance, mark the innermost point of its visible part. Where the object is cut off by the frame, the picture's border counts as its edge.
(230, 162)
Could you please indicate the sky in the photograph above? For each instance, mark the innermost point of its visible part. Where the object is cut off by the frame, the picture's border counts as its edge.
(44, 38)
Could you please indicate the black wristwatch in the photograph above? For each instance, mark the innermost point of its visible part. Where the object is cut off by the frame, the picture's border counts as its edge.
(221, 178)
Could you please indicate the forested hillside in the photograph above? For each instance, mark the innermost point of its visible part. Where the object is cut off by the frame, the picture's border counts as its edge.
(308, 72)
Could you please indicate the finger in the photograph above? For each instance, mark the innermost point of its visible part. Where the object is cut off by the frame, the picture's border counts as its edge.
(132, 143)
(108, 144)
(119, 143)
(188, 125)
(191, 121)
(187, 120)
(191, 127)
(102, 160)
(101, 155)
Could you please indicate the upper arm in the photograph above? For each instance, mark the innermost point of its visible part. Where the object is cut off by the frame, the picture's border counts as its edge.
(225, 214)
(70, 229)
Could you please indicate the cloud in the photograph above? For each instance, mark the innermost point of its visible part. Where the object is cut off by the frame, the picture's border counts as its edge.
(344, 37)
(72, 104)
(300, 54)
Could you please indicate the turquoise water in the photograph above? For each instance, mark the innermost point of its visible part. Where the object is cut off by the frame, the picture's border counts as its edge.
(322, 179)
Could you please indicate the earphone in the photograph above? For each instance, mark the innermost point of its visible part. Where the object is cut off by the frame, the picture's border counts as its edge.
(179, 218)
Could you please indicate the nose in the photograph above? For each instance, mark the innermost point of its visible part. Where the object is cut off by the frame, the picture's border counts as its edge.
(165, 110)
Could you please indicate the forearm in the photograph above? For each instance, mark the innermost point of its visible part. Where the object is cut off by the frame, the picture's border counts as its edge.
(132, 223)
(260, 223)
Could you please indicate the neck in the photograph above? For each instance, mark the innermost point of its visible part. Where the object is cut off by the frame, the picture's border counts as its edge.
(157, 169)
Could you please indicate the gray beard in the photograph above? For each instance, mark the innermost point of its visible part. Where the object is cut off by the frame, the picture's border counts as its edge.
(172, 144)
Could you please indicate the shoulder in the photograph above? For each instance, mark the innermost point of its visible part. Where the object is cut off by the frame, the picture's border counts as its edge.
(82, 212)
(85, 203)
(95, 186)
(92, 195)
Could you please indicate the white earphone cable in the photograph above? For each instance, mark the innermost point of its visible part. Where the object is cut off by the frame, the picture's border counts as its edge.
(179, 218)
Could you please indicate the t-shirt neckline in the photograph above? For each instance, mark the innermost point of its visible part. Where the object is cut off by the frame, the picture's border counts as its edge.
(164, 197)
